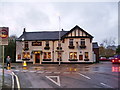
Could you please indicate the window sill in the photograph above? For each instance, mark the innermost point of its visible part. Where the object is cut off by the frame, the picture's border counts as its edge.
(25, 59)
(71, 47)
(73, 59)
(82, 47)
(46, 59)
(46, 48)
(86, 59)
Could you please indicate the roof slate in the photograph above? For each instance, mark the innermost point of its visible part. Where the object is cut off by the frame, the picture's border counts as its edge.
(46, 35)
(95, 45)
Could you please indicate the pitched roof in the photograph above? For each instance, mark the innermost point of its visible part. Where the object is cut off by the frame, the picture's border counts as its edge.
(46, 35)
(77, 27)
(95, 45)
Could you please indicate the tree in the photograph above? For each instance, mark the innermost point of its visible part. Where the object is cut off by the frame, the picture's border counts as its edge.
(10, 49)
(118, 50)
(104, 49)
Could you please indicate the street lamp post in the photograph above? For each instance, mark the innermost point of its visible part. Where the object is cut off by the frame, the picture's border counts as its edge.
(59, 43)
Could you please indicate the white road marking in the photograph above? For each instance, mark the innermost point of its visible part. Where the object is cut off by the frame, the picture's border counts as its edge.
(12, 81)
(84, 76)
(106, 85)
(57, 72)
(66, 72)
(17, 80)
(32, 71)
(40, 72)
(48, 72)
(58, 79)
(17, 70)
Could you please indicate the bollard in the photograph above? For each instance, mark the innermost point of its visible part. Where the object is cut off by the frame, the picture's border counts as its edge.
(8, 67)
(24, 65)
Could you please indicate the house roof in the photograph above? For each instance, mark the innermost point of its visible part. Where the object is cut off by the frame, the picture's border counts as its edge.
(77, 27)
(48, 35)
(95, 45)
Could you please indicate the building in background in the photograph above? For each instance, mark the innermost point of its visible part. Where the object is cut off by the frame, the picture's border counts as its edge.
(43, 47)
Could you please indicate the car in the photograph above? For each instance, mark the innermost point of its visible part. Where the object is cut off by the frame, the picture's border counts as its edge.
(110, 58)
(103, 59)
(116, 59)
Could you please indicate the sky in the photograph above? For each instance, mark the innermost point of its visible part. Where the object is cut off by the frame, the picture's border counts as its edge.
(100, 19)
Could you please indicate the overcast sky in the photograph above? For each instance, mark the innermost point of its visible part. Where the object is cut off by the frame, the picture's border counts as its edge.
(100, 19)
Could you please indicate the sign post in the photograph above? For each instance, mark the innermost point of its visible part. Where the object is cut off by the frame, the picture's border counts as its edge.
(3, 41)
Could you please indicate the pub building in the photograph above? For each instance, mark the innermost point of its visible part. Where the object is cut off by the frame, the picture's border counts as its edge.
(74, 46)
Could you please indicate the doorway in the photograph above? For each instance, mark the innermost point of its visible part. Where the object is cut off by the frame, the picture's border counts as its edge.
(37, 58)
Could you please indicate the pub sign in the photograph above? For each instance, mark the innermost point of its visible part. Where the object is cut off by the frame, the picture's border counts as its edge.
(4, 33)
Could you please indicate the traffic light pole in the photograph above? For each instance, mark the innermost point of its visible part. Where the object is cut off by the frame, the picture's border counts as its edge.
(3, 68)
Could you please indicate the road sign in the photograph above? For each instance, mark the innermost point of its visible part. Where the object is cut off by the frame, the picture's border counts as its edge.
(4, 33)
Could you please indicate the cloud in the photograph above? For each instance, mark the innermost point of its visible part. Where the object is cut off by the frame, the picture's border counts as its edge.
(98, 18)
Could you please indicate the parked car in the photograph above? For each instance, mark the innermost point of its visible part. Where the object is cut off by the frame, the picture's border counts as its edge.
(116, 59)
(103, 59)
(110, 58)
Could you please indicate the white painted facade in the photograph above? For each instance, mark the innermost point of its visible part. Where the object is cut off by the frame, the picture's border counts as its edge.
(53, 44)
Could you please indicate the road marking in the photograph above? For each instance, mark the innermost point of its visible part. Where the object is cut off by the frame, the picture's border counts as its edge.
(66, 72)
(57, 72)
(17, 80)
(56, 82)
(17, 70)
(48, 72)
(40, 72)
(32, 71)
(84, 76)
(12, 81)
(106, 85)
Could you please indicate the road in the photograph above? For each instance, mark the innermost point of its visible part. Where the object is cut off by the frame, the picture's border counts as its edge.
(101, 75)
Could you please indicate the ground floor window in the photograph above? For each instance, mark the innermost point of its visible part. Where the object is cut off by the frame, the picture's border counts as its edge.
(19, 56)
(86, 55)
(47, 55)
(26, 55)
(80, 57)
(73, 55)
(59, 56)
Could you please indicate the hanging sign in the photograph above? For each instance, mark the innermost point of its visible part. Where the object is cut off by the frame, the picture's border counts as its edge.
(4, 33)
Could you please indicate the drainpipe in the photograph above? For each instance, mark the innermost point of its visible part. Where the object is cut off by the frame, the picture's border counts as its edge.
(53, 52)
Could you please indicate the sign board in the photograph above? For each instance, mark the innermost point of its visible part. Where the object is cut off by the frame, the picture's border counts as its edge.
(4, 33)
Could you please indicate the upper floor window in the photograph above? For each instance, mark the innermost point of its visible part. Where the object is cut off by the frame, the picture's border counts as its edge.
(26, 45)
(82, 42)
(75, 33)
(71, 42)
(59, 44)
(47, 43)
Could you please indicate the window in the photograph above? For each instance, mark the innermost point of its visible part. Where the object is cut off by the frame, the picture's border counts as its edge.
(26, 55)
(59, 56)
(71, 42)
(26, 45)
(86, 55)
(78, 32)
(19, 56)
(80, 57)
(47, 43)
(59, 44)
(47, 55)
(73, 55)
(75, 33)
(82, 42)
